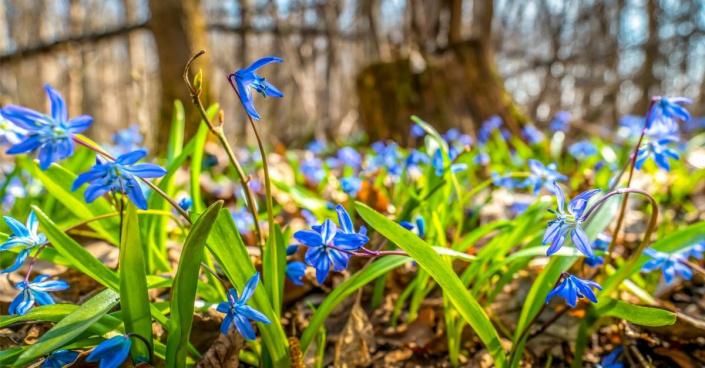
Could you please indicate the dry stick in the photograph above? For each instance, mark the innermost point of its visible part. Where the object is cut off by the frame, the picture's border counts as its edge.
(620, 219)
(217, 130)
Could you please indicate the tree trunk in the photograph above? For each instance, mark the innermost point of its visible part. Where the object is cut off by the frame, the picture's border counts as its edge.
(179, 32)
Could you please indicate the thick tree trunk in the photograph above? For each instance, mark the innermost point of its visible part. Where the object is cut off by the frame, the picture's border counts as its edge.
(179, 32)
(459, 88)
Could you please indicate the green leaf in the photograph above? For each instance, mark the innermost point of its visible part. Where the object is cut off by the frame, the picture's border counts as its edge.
(432, 263)
(376, 269)
(55, 313)
(73, 252)
(71, 326)
(133, 283)
(230, 252)
(643, 316)
(274, 269)
(58, 181)
(185, 284)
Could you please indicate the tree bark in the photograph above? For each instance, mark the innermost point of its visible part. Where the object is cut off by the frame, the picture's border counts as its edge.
(179, 31)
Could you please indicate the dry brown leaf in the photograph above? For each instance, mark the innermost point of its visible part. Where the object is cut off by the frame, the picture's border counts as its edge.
(224, 353)
(355, 341)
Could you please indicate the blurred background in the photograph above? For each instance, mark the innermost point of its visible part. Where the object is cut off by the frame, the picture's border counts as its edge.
(356, 65)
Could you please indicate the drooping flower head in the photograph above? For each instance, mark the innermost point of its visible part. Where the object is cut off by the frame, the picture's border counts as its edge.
(601, 243)
(572, 288)
(119, 176)
(296, 271)
(542, 176)
(569, 223)
(246, 80)
(346, 156)
(328, 245)
(670, 264)
(351, 185)
(386, 156)
(667, 112)
(696, 251)
(582, 150)
(657, 142)
(186, 203)
(127, 140)
(533, 135)
(59, 359)
(489, 126)
(9, 132)
(111, 353)
(237, 311)
(25, 236)
(36, 292)
(52, 135)
(418, 226)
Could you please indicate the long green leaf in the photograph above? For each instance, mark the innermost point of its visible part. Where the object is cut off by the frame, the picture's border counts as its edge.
(133, 283)
(274, 268)
(55, 313)
(231, 254)
(434, 264)
(71, 326)
(378, 268)
(643, 316)
(185, 285)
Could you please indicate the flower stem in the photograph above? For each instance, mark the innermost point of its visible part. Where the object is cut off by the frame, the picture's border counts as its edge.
(623, 209)
(146, 343)
(217, 130)
(32, 261)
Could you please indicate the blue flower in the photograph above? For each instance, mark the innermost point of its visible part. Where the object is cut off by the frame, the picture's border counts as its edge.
(631, 127)
(351, 185)
(561, 121)
(482, 158)
(9, 132)
(417, 131)
(666, 112)
(312, 170)
(52, 135)
(119, 176)
(309, 217)
(533, 135)
(316, 146)
(670, 264)
(656, 146)
(186, 203)
(601, 243)
(127, 140)
(346, 156)
(35, 293)
(296, 271)
(489, 126)
(439, 164)
(327, 245)
(111, 353)
(385, 157)
(582, 150)
(541, 176)
(568, 223)
(246, 80)
(59, 359)
(416, 158)
(610, 360)
(572, 288)
(505, 180)
(243, 220)
(23, 236)
(418, 227)
(237, 311)
(696, 251)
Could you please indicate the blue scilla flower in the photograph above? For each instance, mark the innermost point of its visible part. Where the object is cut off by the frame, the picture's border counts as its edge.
(347, 156)
(387, 156)
(610, 360)
(59, 359)
(111, 353)
(416, 158)
(533, 135)
(351, 185)
(439, 163)
(243, 220)
(696, 251)
(237, 311)
(417, 131)
(9, 132)
(346, 223)
(631, 127)
(296, 271)
(561, 121)
(569, 223)
(186, 203)
(505, 181)
(316, 146)
(667, 112)
(25, 236)
(327, 245)
(582, 150)
(670, 264)
(119, 176)
(656, 146)
(601, 243)
(572, 288)
(418, 226)
(489, 126)
(542, 176)
(127, 140)
(247, 80)
(52, 135)
(312, 170)
(482, 158)
(36, 292)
